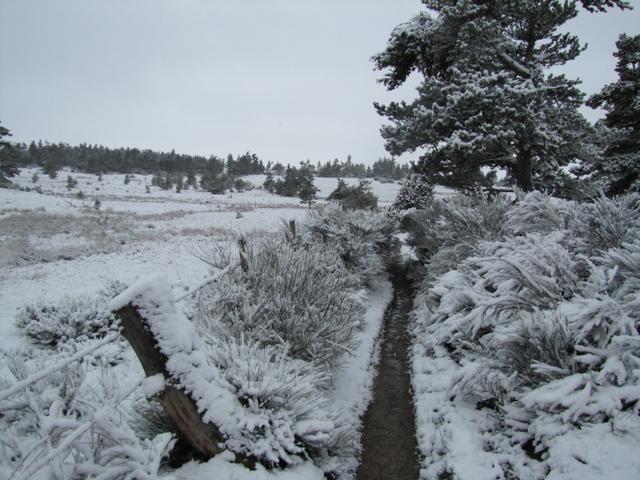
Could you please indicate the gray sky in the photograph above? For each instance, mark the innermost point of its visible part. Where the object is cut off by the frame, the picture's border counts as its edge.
(286, 79)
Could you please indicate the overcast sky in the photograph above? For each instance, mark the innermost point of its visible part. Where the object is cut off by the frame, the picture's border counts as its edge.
(286, 79)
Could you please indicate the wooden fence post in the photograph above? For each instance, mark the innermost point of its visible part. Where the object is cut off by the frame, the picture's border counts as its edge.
(242, 246)
(204, 438)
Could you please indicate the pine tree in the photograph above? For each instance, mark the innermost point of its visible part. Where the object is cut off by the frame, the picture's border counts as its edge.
(341, 191)
(191, 178)
(8, 157)
(416, 192)
(621, 101)
(213, 179)
(71, 182)
(288, 186)
(269, 183)
(51, 168)
(486, 98)
(306, 189)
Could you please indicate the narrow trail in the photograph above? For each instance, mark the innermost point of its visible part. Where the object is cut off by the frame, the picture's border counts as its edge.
(389, 448)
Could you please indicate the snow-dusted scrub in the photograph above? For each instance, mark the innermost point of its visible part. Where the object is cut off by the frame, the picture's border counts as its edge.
(299, 298)
(448, 231)
(532, 340)
(71, 318)
(58, 424)
(268, 406)
(360, 238)
(280, 325)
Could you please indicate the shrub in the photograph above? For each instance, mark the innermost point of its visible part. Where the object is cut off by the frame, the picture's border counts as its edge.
(357, 197)
(300, 298)
(71, 182)
(62, 426)
(447, 232)
(286, 412)
(73, 317)
(539, 213)
(607, 223)
(361, 239)
(543, 326)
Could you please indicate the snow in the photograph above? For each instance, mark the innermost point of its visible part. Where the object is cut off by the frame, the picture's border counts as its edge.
(354, 380)
(153, 385)
(593, 453)
(222, 468)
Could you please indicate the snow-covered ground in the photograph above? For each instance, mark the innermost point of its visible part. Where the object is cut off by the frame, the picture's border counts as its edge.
(54, 243)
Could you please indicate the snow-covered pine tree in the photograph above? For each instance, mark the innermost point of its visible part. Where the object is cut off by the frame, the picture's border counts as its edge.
(8, 157)
(486, 98)
(621, 101)
(416, 192)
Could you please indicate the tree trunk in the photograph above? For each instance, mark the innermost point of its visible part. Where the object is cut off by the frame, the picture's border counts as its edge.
(522, 170)
(204, 438)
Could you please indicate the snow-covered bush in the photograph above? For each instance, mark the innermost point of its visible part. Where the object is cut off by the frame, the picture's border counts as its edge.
(539, 213)
(600, 224)
(416, 192)
(446, 232)
(286, 412)
(300, 298)
(360, 238)
(62, 425)
(72, 317)
(542, 325)
(608, 222)
(267, 405)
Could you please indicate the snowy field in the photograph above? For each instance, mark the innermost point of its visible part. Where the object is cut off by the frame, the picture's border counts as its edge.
(54, 243)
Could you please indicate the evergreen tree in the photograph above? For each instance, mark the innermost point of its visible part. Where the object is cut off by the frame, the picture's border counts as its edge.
(8, 157)
(621, 101)
(71, 182)
(166, 182)
(354, 197)
(341, 191)
(416, 192)
(269, 183)
(288, 186)
(51, 167)
(306, 189)
(213, 179)
(191, 178)
(486, 98)
(156, 180)
(278, 168)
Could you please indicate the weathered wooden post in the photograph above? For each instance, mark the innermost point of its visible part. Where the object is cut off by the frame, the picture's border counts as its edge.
(204, 438)
(242, 247)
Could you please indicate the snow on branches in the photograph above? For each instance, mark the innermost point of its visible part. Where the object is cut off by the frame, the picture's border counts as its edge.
(542, 325)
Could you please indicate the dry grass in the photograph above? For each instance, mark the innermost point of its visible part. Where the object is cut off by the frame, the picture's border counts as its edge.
(30, 237)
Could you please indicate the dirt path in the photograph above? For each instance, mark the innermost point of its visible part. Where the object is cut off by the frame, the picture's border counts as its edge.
(389, 448)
